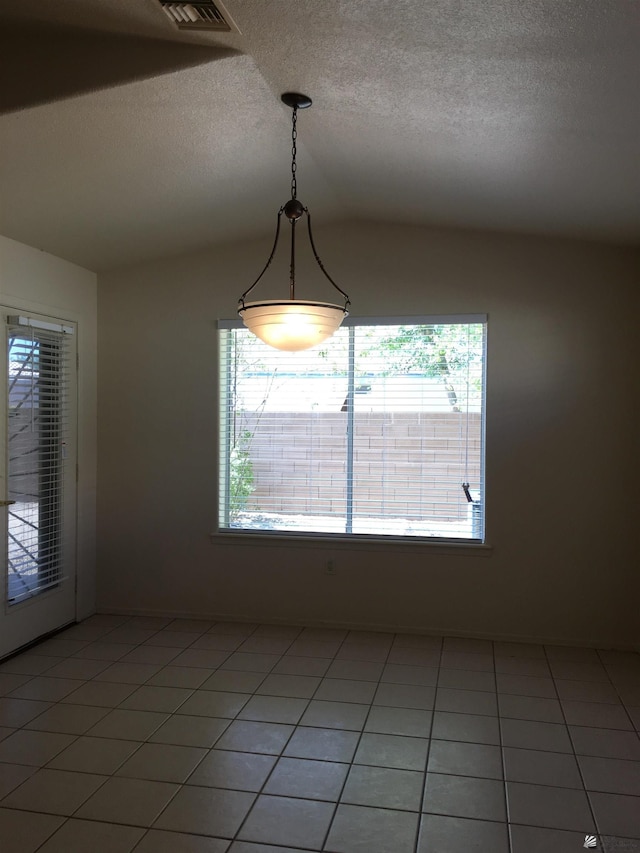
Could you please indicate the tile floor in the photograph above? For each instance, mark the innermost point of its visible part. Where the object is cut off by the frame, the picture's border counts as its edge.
(186, 736)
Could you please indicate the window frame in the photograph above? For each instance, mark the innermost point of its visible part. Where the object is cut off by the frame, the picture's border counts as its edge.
(365, 541)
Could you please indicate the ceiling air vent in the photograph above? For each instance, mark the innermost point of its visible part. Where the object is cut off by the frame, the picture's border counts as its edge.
(202, 15)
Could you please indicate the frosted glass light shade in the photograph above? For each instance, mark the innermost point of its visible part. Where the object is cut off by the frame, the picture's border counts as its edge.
(292, 324)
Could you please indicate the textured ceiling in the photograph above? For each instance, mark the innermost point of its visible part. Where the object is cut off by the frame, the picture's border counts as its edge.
(122, 138)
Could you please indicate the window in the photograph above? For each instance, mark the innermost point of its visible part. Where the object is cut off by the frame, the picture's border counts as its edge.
(40, 362)
(377, 432)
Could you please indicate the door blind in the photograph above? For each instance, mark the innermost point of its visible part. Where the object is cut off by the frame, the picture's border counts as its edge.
(40, 359)
(378, 431)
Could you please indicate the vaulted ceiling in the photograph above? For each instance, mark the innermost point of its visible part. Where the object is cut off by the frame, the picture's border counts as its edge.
(123, 138)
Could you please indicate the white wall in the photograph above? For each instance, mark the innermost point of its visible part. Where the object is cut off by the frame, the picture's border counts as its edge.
(561, 428)
(36, 281)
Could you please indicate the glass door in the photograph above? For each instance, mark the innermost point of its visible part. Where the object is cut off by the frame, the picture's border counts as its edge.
(37, 477)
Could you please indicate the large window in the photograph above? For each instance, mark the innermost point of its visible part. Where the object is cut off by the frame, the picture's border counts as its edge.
(378, 431)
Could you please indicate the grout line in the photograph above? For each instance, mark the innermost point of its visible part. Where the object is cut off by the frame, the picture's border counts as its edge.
(103, 638)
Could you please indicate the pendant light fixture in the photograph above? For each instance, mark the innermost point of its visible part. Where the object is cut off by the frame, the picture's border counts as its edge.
(293, 324)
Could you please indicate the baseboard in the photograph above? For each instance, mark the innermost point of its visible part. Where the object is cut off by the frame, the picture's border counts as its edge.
(591, 642)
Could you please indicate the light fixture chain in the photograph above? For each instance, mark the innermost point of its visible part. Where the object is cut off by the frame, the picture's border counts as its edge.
(294, 151)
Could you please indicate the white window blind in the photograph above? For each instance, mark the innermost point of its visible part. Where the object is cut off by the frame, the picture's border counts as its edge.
(377, 432)
(40, 359)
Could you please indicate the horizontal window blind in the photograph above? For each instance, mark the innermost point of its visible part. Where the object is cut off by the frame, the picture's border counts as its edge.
(40, 363)
(377, 431)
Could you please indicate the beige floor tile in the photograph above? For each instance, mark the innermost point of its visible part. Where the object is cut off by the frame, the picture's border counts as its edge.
(79, 668)
(154, 698)
(541, 768)
(104, 651)
(286, 820)
(399, 721)
(273, 709)
(104, 695)
(46, 689)
(250, 847)
(172, 640)
(611, 775)
(240, 771)
(16, 712)
(206, 811)
(396, 673)
(24, 832)
(528, 734)
(404, 696)
(344, 690)
(190, 731)
(587, 691)
(244, 735)
(526, 685)
(229, 681)
(403, 753)
(465, 679)
(322, 744)
(523, 666)
(530, 708)
(299, 777)
(29, 664)
(554, 808)
(221, 642)
(128, 673)
(467, 645)
(356, 670)
(239, 661)
(414, 657)
(465, 759)
(363, 651)
(12, 775)
(293, 665)
(464, 660)
(359, 829)
(54, 792)
(533, 839)
(597, 715)
(616, 814)
(201, 658)
(67, 719)
(159, 841)
(605, 743)
(463, 796)
(94, 755)
(84, 836)
(383, 787)
(472, 728)
(192, 626)
(461, 835)
(264, 645)
(152, 654)
(131, 801)
(314, 648)
(466, 701)
(162, 762)
(335, 715)
(128, 725)
(33, 748)
(180, 676)
(11, 681)
(213, 703)
(297, 686)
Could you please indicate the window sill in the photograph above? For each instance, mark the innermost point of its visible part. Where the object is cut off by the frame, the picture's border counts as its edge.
(333, 542)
